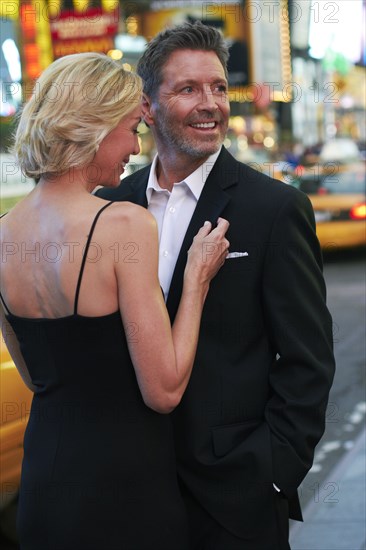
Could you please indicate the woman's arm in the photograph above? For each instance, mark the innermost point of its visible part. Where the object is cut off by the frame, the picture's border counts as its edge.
(12, 344)
(162, 355)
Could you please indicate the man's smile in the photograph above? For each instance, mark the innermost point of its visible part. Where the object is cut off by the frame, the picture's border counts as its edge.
(204, 125)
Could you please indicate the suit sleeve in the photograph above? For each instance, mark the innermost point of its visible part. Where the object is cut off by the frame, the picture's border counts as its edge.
(300, 329)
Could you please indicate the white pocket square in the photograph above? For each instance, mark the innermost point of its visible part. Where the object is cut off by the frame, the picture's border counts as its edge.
(236, 255)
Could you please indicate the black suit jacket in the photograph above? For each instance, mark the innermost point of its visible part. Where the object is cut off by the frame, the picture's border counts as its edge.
(254, 408)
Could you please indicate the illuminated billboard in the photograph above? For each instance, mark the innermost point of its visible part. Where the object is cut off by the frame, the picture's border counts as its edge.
(89, 30)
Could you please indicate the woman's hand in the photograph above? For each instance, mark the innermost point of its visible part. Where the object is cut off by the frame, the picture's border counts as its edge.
(206, 255)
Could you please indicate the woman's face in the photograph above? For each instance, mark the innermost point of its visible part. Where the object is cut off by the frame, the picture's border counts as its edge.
(114, 151)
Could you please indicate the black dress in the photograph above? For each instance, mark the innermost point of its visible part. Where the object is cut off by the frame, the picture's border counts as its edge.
(99, 467)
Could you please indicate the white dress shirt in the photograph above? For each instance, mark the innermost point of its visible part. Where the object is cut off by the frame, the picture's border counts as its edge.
(173, 211)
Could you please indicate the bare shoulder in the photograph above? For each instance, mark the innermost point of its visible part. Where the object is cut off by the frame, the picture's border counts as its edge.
(131, 230)
(129, 217)
(129, 212)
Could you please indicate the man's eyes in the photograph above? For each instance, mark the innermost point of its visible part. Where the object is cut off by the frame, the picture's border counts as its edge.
(187, 89)
(221, 88)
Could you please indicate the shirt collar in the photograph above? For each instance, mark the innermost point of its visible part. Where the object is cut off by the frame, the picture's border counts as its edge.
(195, 181)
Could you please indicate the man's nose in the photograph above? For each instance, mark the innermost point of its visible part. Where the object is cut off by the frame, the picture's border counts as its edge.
(208, 99)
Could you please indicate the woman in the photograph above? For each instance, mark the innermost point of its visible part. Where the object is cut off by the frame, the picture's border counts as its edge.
(91, 335)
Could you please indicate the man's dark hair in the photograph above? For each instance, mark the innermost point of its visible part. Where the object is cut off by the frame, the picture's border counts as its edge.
(188, 36)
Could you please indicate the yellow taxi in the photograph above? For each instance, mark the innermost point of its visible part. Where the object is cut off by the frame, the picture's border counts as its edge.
(338, 195)
(15, 401)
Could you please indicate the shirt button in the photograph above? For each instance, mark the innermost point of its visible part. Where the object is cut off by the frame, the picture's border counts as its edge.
(165, 253)
(172, 209)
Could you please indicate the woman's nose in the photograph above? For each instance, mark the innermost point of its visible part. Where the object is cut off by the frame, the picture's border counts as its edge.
(136, 149)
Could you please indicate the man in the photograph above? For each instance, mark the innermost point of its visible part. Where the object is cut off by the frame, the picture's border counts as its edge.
(254, 408)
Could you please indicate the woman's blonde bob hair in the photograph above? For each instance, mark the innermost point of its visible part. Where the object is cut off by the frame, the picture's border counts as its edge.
(76, 102)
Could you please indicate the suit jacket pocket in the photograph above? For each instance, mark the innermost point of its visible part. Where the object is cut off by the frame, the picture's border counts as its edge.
(226, 438)
(238, 265)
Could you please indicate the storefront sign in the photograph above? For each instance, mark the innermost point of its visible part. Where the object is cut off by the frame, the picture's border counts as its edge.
(90, 30)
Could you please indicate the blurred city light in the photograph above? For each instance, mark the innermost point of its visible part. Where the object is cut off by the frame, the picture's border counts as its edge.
(12, 58)
(115, 54)
(338, 26)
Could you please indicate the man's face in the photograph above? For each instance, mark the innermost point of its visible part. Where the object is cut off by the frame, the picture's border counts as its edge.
(191, 111)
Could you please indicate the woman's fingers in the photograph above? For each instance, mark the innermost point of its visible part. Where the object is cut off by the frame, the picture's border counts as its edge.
(221, 222)
(205, 229)
(213, 241)
(218, 234)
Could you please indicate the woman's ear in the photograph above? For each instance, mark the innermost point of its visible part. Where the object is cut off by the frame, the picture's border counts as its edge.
(146, 110)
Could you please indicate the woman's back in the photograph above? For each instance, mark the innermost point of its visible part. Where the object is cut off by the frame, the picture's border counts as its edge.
(43, 242)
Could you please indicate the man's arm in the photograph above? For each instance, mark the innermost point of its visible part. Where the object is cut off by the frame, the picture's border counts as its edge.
(300, 329)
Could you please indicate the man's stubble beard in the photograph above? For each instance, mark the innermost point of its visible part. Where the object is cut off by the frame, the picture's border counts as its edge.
(171, 138)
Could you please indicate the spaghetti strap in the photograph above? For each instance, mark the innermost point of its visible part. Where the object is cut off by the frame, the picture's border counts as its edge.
(86, 254)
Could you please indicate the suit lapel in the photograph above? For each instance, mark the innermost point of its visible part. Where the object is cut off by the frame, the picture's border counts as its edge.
(211, 203)
(140, 194)
(134, 187)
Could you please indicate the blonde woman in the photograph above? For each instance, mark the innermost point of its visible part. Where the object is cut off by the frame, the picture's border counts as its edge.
(87, 326)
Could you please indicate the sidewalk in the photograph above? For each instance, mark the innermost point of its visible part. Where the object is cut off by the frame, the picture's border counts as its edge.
(338, 524)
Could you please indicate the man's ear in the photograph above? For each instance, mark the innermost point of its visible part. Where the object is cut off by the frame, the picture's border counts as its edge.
(146, 110)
